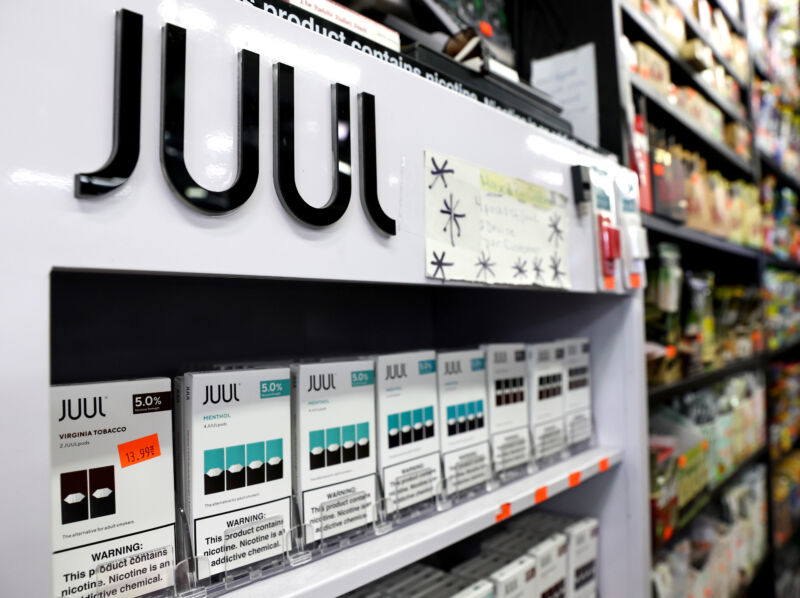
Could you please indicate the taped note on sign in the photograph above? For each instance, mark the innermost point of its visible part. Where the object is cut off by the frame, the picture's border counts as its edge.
(483, 226)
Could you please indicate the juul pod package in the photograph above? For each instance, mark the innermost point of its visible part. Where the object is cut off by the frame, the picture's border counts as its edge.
(236, 459)
(578, 396)
(334, 426)
(462, 409)
(507, 390)
(546, 375)
(408, 430)
(113, 498)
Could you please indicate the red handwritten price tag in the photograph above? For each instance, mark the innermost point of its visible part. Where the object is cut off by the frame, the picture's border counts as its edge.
(136, 451)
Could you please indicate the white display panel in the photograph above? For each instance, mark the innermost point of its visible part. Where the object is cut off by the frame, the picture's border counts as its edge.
(58, 74)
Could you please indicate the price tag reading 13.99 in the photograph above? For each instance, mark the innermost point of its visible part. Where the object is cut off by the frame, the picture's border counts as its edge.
(136, 451)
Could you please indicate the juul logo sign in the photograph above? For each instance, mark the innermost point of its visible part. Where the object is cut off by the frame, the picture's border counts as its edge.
(224, 393)
(320, 382)
(78, 408)
(452, 367)
(396, 371)
(127, 115)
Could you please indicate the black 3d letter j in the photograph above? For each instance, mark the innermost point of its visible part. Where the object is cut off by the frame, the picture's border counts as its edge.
(127, 103)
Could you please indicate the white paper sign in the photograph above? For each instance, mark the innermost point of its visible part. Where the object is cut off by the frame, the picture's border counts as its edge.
(571, 78)
(482, 226)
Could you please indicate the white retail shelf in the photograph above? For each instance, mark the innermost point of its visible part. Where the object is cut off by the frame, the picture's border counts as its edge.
(353, 567)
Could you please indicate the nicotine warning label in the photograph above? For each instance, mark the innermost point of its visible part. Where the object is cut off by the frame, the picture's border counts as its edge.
(242, 537)
(340, 508)
(511, 449)
(131, 566)
(467, 467)
(408, 483)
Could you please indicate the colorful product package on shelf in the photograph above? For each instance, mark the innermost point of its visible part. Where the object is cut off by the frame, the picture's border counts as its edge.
(113, 493)
(662, 316)
(633, 235)
(663, 487)
(334, 427)
(464, 439)
(507, 390)
(692, 467)
(236, 456)
(546, 373)
(578, 419)
(408, 427)
(606, 226)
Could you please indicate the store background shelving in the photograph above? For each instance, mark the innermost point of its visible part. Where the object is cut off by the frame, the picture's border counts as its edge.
(734, 263)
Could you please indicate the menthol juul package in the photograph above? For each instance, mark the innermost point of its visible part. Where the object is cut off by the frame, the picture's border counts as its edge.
(236, 457)
(546, 378)
(408, 430)
(334, 426)
(578, 398)
(461, 378)
(509, 431)
(113, 506)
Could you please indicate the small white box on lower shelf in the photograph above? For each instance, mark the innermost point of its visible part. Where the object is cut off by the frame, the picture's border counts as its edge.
(334, 420)
(581, 579)
(551, 566)
(113, 497)
(517, 579)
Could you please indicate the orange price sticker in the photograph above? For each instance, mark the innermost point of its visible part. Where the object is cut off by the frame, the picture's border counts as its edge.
(636, 280)
(667, 532)
(603, 465)
(682, 461)
(574, 479)
(540, 495)
(136, 451)
(505, 512)
(609, 283)
(671, 351)
(704, 444)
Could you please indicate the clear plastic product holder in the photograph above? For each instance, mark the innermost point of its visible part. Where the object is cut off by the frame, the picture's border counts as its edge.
(298, 544)
(352, 508)
(188, 574)
(263, 537)
(413, 495)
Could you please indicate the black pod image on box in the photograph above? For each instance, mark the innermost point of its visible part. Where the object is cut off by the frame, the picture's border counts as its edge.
(87, 494)
(74, 496)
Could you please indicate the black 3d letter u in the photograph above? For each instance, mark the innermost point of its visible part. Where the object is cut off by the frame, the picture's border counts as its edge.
(173, 162)
(283, 153)
(127, 113)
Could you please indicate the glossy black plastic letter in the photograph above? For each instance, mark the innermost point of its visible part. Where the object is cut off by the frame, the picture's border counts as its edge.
(173, 161)
(127, 112)
(369, 169)
(283, 153)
